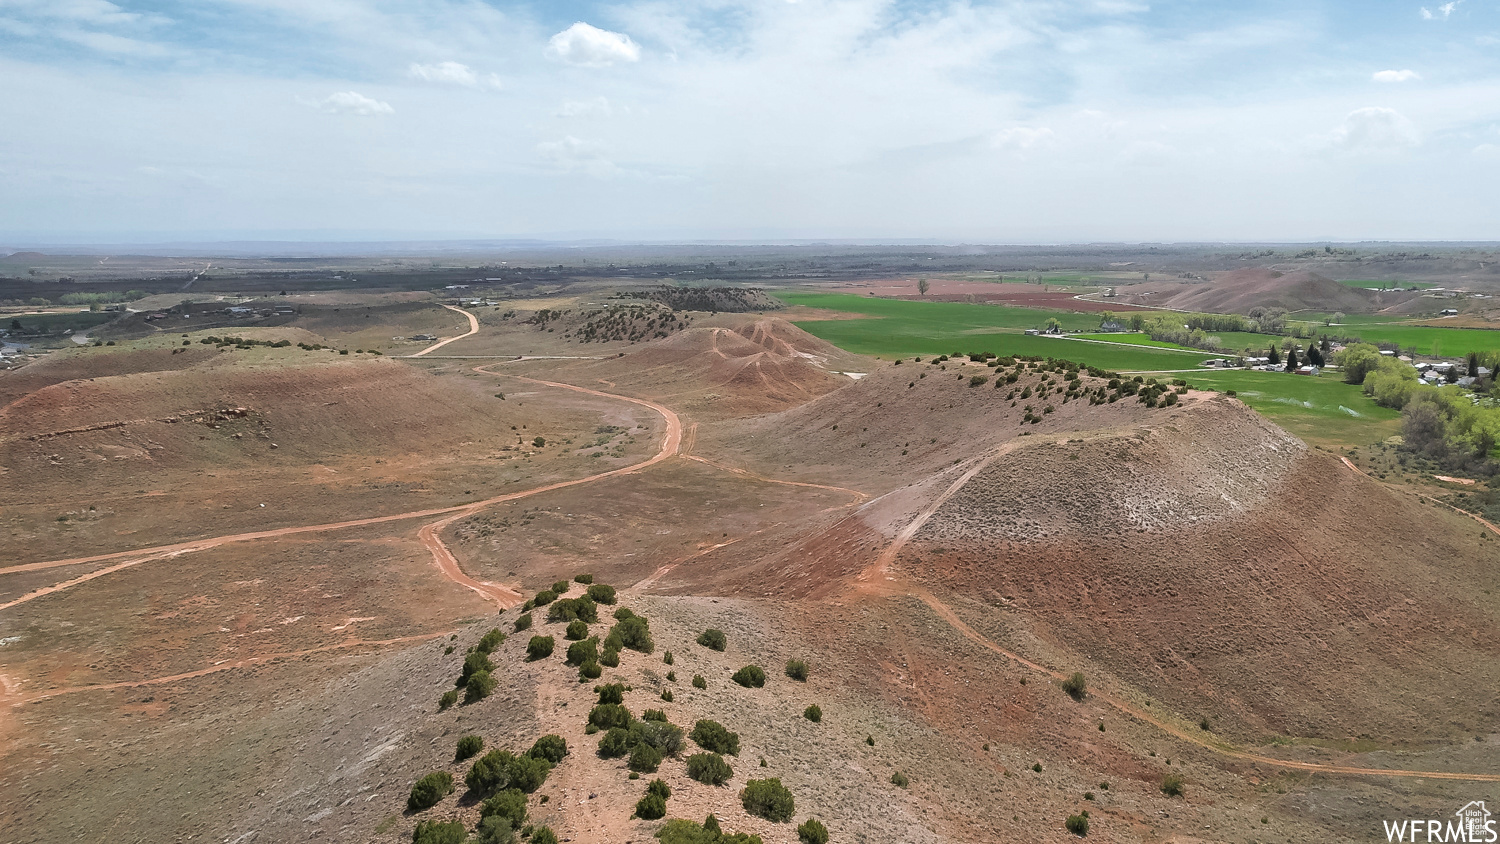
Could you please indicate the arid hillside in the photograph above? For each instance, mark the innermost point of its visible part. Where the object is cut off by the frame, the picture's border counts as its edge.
(1239, 291)
(915, 558)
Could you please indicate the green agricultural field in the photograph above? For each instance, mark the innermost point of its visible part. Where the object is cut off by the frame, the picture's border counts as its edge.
(1235, 342)
(1129, 339)
(901, 328)
(1429, 340)
(1322, 410)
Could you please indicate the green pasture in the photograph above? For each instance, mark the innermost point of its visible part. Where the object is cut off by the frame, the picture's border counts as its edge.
(1235, 342)
(1129, 339)
(1318, 409)
(901, 328)
(1429, 340)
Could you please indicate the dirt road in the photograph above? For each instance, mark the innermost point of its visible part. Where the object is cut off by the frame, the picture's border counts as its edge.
(442, 557)
(473, 329)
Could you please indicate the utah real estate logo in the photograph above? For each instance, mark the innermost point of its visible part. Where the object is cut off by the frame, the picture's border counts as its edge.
(1471, 825)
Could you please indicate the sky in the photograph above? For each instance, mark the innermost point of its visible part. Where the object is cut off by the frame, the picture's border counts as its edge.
(1033, 121)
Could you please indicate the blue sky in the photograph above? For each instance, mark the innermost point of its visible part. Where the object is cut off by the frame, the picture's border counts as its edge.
(1012, 122)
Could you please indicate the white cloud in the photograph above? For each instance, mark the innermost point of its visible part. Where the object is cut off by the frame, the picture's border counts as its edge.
(453, 73)
(1488, 152)
(1395, 75)
(1443, 12)
(1375, 128)
(351, 102)
(597, 107)
(590, 46)
(1021, 138)
(571, 154)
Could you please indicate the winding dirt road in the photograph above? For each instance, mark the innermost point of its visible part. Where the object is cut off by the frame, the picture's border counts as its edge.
(473, 329)
(443, 558)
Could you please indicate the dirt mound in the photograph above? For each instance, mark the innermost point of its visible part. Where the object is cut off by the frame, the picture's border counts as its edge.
(91, 362)
(902, 423)
(1239, 291)
(715, 299)
(1214, 563)
(1216, 461)
(737, 367)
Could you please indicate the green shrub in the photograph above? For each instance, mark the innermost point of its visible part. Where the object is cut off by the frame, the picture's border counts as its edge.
(796, 669)
(528, 774)
(493, 830)
(1171, 785)
(490, 641)
(585, 579)
(544, 597)
(560, 587)
(660, 789)
(644, 758)
(714, 639)
(468, 746)
(585, 651)
(870, 740)
(509, 804)
(651, 807)
(1036, 766)
(709, 768)
(439, 832)
(899, 780)
(590, 670)
(1076, 687)
(551, 747)
(751, 677)
(449, 698)
(616, 743)
(523, 622)
(667, 658)
(679, 831)
(662, 735)
(474, 662)
(607, 715)
(699, 682)
(812, 831)
(479, 686)
(500, 769)
(611, 693)
(623, 613)
(712, 736)
(540, 647)
(574, 609)
(543, 834)
(635, 634)
(1078, 824)
(653, 715)
(603, 593)
(428, 790)
(768, 799)
(610, 658)
(813, 713)
(666, 695)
